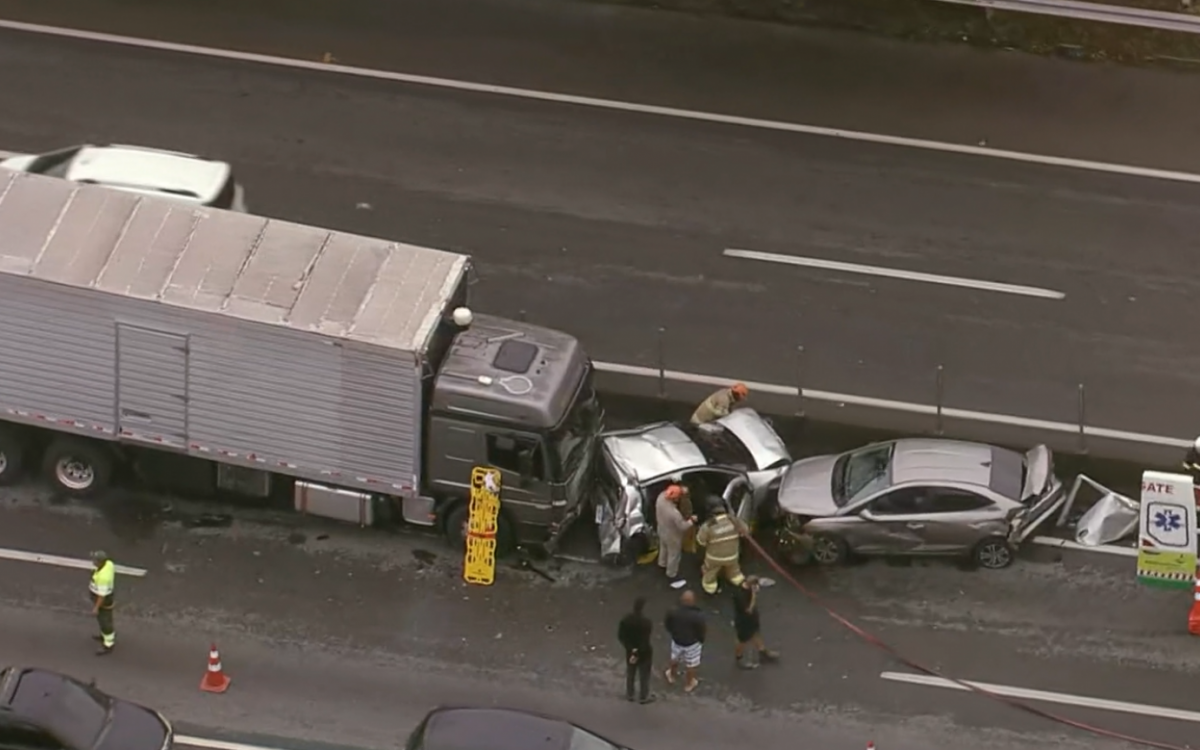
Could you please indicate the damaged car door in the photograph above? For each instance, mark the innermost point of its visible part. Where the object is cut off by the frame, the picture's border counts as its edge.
(891, 524)
(954, 520)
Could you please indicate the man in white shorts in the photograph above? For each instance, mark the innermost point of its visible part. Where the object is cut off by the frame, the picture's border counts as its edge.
(687, 629)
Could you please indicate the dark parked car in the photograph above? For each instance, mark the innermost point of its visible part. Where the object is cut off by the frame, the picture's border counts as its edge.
(43, 710)
(501, 729)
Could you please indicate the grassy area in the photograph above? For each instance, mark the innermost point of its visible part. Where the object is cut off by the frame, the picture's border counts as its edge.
(917, 20)
(926, 20)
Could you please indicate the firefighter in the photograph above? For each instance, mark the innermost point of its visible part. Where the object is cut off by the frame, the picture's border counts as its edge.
(720, 403)
(720, 535)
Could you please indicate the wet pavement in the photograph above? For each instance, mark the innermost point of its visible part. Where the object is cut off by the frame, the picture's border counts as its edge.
(568, 208)
(343, 635)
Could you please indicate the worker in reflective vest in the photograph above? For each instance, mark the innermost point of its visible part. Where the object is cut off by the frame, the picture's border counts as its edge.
(720, 535)
(104, 576)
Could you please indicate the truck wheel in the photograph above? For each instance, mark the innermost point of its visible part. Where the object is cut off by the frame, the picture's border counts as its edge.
(456, 531)
(12, 458)
(77, 467)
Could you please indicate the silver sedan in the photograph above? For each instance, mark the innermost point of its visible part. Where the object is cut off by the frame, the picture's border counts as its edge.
(917, 497)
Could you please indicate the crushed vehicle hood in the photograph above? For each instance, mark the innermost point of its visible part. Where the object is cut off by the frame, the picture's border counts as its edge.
(649, 452)
(807, 488)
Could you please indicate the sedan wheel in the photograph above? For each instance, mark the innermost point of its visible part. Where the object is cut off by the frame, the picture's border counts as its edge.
(829, 550)
(993, 554)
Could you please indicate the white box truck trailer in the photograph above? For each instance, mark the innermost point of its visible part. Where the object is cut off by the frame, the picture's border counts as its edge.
(264, 357)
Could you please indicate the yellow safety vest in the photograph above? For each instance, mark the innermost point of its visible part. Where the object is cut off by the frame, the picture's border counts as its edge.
(103, 579)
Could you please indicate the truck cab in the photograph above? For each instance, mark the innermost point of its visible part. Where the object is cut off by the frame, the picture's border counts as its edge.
(519, 398)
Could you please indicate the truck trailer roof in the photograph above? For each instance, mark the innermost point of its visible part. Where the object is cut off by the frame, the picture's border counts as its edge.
(270, 271)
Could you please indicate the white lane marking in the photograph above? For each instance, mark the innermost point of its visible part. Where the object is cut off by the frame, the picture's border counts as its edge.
(62, 562)
(1107, 549)
(849, 399)
(218, 744)
(609, 104)
(1043, 696)
(895, 273)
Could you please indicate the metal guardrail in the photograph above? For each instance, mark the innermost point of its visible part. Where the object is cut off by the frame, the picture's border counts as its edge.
(1115, 14)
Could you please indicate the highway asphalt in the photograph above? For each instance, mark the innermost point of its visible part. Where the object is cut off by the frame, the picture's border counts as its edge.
(343, 636)
(611, 225)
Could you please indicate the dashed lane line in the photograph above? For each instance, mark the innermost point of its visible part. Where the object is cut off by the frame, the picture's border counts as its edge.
(1045, 696)
(63, 562)
(963, 149)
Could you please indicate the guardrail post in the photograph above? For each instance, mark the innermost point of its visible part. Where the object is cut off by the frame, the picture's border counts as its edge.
(940, 395)
(662, 363)
(800, 382)
(1083, 446)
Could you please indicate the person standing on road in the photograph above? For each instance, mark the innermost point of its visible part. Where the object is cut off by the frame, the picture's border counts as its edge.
(104, 577)
(634, 634)
(687, 628)
(672, 528)
(748, 626)
(721, 537)
(720, 403)
(1191, 462)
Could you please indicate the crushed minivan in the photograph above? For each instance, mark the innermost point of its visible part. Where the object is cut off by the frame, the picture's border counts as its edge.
(739, 457)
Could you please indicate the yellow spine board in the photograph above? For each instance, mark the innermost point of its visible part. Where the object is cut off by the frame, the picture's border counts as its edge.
(479, 562)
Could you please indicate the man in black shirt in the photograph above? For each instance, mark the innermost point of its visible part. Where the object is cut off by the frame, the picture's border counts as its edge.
(686, 626)
(748, 626)
(634, 634)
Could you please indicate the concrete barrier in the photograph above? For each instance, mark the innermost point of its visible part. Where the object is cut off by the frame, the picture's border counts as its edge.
(676, 393)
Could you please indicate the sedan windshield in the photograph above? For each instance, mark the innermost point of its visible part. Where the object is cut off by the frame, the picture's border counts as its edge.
(71, 712)
(583, 740)
(861, 473)
(720, 446)
(55, 163)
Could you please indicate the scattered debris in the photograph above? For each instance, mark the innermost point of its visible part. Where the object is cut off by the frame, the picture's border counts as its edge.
(424, 557)
(209, 521)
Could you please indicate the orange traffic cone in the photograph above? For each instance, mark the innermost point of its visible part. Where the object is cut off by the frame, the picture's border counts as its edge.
(215, 680)
(1194, 615)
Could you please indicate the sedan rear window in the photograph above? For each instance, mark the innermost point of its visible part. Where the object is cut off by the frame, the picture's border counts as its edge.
(1008, 473)
(68, 710)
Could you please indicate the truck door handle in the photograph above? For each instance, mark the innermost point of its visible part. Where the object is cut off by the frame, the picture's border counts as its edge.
(915, 526)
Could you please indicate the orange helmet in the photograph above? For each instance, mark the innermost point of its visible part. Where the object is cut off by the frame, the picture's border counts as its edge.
(740, 390)
(674, 492)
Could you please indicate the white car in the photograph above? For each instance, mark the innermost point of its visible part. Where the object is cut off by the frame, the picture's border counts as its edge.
(148, 171)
